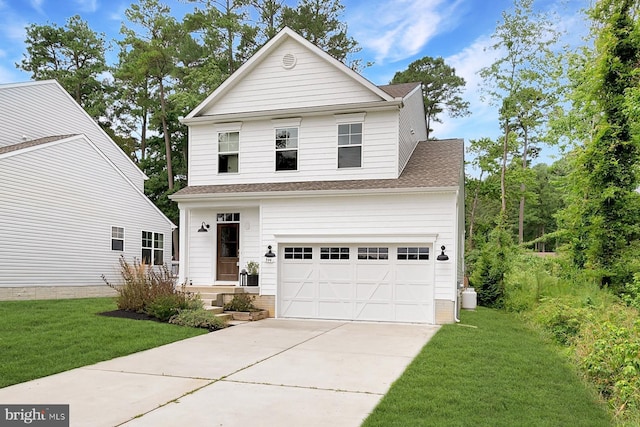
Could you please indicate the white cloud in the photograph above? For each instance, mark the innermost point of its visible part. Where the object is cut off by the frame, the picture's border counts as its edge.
(37, 5)
(397, 29)
(87, 5)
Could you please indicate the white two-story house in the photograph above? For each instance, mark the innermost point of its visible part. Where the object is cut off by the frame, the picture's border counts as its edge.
(325, 179)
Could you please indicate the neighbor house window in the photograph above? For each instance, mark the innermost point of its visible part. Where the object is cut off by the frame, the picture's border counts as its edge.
(117, 239)
(350, 145)
(228, 147)
(152, 248)
(373, 253)
(286, 149)
(413, 254)
(334, 253)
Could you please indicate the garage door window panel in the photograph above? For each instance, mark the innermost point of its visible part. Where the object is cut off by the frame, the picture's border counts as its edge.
(298, 253)
(413, 253)
(381, 254)
(334, 253)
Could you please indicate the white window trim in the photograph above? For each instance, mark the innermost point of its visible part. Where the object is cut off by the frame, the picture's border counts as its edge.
(343, 119)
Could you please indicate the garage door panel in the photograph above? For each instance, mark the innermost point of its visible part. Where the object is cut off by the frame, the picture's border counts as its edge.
(374, 291)
(293, 289)
(413, 293)
(335, 290)
(335, 309)
(377, 312)
(300, 308)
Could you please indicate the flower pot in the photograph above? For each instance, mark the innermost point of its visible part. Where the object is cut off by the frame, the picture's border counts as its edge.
(252, 280)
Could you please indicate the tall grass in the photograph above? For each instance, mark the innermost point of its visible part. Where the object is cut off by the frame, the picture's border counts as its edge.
(600, 333)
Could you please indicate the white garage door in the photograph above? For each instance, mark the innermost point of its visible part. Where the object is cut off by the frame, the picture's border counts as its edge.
(357, 282)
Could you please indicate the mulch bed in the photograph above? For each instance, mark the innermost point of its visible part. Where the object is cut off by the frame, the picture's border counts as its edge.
(125, 314)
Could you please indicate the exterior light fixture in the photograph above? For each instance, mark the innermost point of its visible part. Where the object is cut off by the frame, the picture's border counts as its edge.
(203, 228)
(269, 255)
(442, 256)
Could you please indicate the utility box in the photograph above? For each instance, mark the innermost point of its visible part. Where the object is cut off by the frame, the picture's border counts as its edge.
(469, 299)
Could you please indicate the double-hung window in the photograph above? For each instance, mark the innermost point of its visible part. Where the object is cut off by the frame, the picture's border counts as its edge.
(350, 138)
(228, 148)
(152, 248)
(350, 145)
(117, 239)
(287, 149)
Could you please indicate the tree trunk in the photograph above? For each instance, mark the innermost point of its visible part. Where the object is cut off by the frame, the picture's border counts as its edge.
(503, 173)
(522, 189)
(167, 139)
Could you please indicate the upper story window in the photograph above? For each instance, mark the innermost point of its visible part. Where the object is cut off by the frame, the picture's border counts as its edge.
(350, 131)
(350, 145)
(117, 239)
(287, 149)
(228, 147)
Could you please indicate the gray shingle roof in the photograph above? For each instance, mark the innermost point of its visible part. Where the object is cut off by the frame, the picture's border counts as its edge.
(433, 164)
(399, 90)
(32, 143)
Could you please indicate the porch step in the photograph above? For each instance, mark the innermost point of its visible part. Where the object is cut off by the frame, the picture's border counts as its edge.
(215, 289)
(214, 309)
(225, 316)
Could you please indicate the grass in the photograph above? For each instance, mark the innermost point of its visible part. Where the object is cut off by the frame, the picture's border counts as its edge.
(490, 370)
(40, 338)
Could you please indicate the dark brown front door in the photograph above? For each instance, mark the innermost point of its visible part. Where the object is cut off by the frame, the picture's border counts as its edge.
(228, 250)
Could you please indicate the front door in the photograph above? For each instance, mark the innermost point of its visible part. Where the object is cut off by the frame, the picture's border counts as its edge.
(228, 251)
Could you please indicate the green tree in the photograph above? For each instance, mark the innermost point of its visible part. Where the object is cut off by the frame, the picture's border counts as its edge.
(522, 82)
(74, 55)
(319, 22)
(602, 218)
(441, 88)
(150, 59)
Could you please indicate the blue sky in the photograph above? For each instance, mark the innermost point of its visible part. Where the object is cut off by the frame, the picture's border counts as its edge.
(392, 34)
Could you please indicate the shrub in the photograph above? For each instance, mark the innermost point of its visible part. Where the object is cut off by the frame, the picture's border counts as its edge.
(165, 306)
(241, 302)
(198, 318)
(150, 290)
(493, 263)
(609, 354)
(561, 320)
(631, 293)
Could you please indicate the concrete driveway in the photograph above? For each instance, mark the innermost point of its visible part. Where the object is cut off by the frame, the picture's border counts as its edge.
(267, 373)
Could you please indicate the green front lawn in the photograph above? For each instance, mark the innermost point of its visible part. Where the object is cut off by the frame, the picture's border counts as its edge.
(40, 338)
(489, 370)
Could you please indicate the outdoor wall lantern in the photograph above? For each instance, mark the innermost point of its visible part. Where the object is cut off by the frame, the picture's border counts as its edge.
(203, 228)
(269, 256)
(443, 256)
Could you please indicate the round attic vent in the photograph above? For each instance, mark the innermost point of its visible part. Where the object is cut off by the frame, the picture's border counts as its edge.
(289, 61)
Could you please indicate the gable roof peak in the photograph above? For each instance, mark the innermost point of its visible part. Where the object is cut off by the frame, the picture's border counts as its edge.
(285, 34)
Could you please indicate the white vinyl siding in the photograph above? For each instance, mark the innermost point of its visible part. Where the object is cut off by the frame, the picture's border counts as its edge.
(41, 109)
(59, 211)
(312, 82)
(317, 151)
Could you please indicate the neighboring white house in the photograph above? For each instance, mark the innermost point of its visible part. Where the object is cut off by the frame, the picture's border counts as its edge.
(71, 201)
(301, 164)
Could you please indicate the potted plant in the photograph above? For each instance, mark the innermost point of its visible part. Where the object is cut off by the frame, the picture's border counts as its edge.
(252, 271)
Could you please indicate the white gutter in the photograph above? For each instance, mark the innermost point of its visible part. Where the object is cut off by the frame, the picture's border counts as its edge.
(289, 112)
(306, 193)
